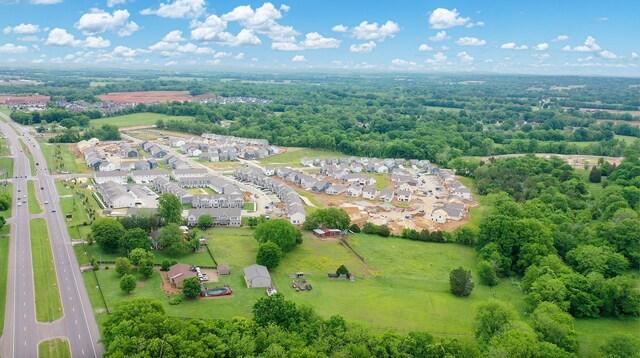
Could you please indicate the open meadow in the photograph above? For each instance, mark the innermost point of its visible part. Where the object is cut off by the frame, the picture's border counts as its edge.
(292, 156)
(61, 158)
(137, 119)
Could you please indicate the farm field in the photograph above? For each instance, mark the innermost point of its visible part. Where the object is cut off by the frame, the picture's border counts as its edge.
(34, 204)
(146, 96)
(153, 134)
(6, 164)
(60, 158)
(54, 348)
(136, 119)
(293, 155)
(48, 306)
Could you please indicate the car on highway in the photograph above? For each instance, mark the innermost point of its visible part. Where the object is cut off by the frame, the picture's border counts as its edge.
(46, 202)
(53, 211)
(19, 203)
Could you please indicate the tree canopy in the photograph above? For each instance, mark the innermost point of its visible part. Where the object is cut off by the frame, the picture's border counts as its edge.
(279, 231)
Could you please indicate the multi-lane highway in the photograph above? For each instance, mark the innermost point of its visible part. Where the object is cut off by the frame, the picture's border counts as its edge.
(22, 332)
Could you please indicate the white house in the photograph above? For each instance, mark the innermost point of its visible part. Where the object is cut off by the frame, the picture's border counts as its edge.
(336, 189)
(297, 218)
(107, 166)
(115, 195)
(189, 173)
(462, 192)
(386, 195)
(369, 192)
(354, 191)
(404, 195)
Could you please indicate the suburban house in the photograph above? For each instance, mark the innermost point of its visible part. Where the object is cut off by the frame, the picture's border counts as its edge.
(148, 176)
(321, 186)
(354, 191)
(163, 185)
(106, 166)
(142, 165)
(257, 276)
(115, 195)
(178, 272)
(404, 195)
(128, 151)
(369, 192)
(336, 189)
(386, 195)
(458, 189)
(449, 211)
(193, 151)
(114, 176)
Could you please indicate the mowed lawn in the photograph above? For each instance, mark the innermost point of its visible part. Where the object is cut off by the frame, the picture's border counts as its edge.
(72, 203)
(626, 138)
(54, 348)
(48, 306)
(7, 189)
(137, 119)
(34, 204)
(593, 333)
(60, 158)
(6, 167)
(293, 155)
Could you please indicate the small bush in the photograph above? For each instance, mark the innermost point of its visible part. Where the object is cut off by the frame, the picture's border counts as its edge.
(175, 300)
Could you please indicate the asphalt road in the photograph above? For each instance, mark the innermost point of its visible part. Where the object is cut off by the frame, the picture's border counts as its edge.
(22, 332)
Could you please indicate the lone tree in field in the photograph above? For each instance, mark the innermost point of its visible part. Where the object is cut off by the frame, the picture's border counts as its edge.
(595, 176)
(342, 270)
(332, 218)
(123, 266)
(461, 282)
(191, 287)
(269, 255)
(127, 283)
(279, 231)
(170, 208)
(107, 233)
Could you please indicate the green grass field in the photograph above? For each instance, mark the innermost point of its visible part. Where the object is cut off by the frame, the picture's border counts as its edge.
(4, 262)
(594, 188)
(592, 333)
(48, 306)
(54, 348)
(5, 110)
(137, 119)
(8, 189)
(34, 204)
(60, 158)
(6, 167)
(4, 146)
(293, 155)
(383, 181)
(626, 138)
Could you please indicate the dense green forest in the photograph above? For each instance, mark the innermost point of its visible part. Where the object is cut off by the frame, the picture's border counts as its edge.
(424, 117)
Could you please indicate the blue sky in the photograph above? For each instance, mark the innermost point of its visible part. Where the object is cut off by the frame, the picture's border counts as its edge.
(541, 37)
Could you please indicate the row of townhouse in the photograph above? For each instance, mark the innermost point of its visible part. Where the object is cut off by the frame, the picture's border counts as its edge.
(228, 138)
(142, 164)
(291, 199)
(219, 154)
(217, 184)
(230, 216)
(116, 195)
(175, 162)
(164, 185)
(357, 164)
(138, 176)
(153, 149)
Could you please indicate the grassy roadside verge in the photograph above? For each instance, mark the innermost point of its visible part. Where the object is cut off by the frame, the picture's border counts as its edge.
(32, 162)
(48, 306)
(34, 204)
(54, 348)
(4, 266)
(6, 164)
(7, 189)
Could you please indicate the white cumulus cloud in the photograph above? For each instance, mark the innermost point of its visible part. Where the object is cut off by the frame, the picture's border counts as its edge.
(363, 47)
(339, 28)
(424, 47)
(239, 56)
(470, 41)
(112, 3)
(298, 58)
(262, 21)
(438, 58)
(398, 62)
(608, 55)
(99, 21)
(465, 57)
(440, 36)
(541, 46)
(22, 29)
(371, 31)
(312, 41)
(60, 37)
(173, 36)
(442, 18)
(12, 49)
(634, 56)
(178, 9)
(589, 45)
(96, 42)
(513, 46)
(561, 38)
(45, 2)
